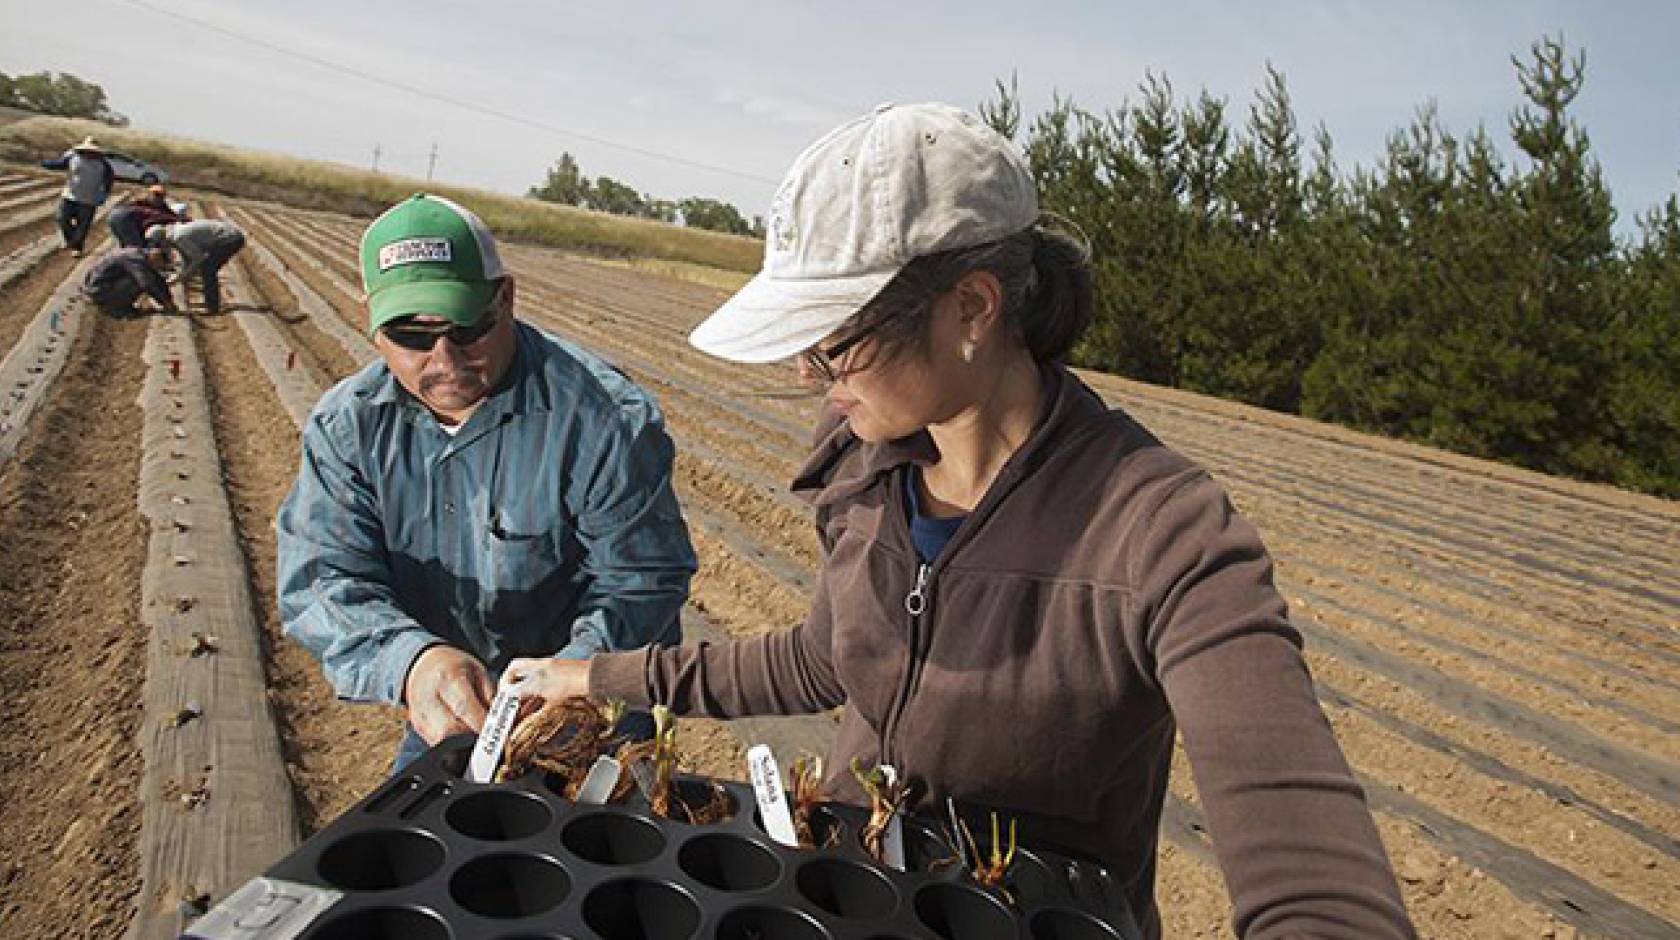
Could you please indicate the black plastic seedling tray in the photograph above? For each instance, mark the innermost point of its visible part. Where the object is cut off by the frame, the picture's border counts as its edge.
(431, 856)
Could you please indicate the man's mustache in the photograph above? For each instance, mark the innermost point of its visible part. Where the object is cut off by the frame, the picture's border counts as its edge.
(464, 377)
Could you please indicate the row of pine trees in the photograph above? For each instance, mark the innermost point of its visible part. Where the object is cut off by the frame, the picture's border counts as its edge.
(1445, 295)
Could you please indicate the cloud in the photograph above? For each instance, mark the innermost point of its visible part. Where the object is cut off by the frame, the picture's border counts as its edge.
(795, 112)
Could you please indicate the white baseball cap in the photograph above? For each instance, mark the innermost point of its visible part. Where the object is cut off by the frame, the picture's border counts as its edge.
(858, 205)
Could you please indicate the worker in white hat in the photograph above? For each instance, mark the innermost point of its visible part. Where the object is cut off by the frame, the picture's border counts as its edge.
(87, 184)
(1024, 597)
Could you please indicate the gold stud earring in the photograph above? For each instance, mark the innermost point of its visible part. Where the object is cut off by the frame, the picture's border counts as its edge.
(968, 351)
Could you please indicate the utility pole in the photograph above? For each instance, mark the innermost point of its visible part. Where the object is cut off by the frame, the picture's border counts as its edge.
(376, 158)
(431, 162)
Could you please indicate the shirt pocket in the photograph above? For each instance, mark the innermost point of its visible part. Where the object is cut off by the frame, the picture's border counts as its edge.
(520, 561)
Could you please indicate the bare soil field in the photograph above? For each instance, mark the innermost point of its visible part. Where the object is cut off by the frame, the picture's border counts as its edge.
(1498, 651)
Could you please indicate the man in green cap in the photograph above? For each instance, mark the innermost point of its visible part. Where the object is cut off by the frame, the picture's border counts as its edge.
(485, 491)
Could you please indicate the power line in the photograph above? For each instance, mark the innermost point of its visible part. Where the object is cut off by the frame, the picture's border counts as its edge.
(446, 99)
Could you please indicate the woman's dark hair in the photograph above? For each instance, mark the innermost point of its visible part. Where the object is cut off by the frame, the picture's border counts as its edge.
(1047, 294)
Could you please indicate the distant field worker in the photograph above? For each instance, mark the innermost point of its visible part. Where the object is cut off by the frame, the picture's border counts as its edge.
(120, 277)
(1024, 596)
(204, 246)
(483, 491)
(130, 219)
(87, 183)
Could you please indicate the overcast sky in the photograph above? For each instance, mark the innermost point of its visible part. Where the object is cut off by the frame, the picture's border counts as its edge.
(715, 98)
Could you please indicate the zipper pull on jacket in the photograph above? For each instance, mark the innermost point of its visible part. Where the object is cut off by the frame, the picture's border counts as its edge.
(916, 601)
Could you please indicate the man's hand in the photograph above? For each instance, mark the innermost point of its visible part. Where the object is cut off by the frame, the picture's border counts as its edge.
(447, 692)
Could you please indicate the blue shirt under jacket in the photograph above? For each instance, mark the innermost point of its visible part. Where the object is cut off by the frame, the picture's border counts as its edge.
(547, 526)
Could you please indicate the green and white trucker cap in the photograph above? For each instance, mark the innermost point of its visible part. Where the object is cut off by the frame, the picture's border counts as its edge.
(428, 256)
(858, 205)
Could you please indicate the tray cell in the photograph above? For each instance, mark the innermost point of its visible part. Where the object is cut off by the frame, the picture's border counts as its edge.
(382, 923)
(1064, 924)
(728, 862)
(613, 839)
(846, 889)
(510, 885)
(956, 912)
(768, 923)
(498, 815)
(640, 909)
(380, 859)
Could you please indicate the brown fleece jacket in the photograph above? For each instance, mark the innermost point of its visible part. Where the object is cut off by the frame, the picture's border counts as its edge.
(1102, 594)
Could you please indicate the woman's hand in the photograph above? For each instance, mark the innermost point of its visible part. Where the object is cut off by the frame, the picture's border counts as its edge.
(552, 680)
(545, 686)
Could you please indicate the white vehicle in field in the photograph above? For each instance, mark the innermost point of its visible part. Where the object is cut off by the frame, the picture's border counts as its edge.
(135, 170)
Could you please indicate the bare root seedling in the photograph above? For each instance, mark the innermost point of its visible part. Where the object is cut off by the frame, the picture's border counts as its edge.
(992, 870)
(805, 777)
(662, 793)
(886, 800)
(563, 738)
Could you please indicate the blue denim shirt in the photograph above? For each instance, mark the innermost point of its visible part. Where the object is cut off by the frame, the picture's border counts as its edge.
(547, 526)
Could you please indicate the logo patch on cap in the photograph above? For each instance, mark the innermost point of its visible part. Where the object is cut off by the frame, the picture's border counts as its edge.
(783, 231)
(415, 251)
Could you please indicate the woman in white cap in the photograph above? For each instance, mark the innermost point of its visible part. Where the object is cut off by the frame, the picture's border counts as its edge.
(1023, 592)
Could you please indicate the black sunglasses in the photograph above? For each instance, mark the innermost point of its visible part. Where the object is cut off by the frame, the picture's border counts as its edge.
(421, 337)
(825, 362)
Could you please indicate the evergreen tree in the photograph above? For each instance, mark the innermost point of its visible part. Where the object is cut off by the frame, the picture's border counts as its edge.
(1534, 366)
(564, 184)
(1643, 385)
(1442, 295)
(1253, 336)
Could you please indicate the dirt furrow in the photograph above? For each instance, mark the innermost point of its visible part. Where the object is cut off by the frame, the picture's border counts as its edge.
(23, 297)
(1497, 635)
(17, 233)
(1571, 620)
(19, 185)
(308, 267)
(72, 649)
(1604, 788)
(1609, 716)
(24, 202)
(1603, 506)
(335, 753)
(1481, 528)
(324, 358)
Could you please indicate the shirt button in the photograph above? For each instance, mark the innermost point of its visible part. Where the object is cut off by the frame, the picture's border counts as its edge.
(449, 507)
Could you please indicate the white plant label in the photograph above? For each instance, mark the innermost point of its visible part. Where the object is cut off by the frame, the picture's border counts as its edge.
(766, 780)
(487, 752)
(266, 908)
(892, 841)
(599, 783)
